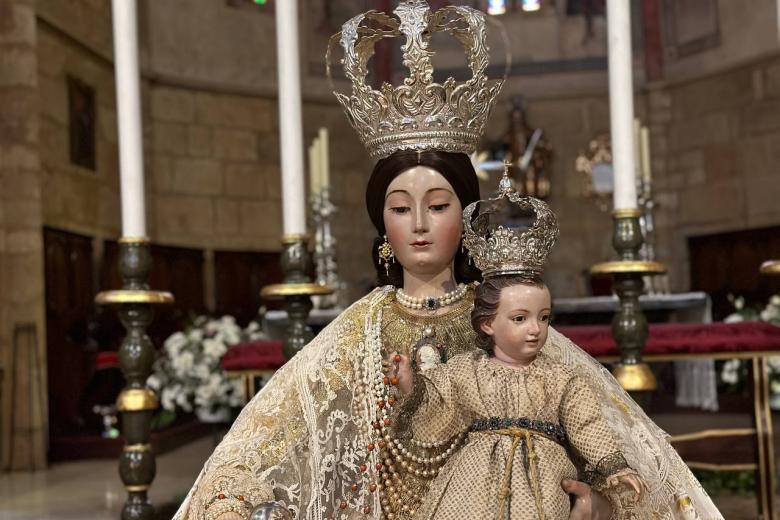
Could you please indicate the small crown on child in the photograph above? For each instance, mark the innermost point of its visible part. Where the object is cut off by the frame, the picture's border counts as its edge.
(503, 250)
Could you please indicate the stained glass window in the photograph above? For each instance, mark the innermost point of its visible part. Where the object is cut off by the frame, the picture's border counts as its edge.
(531, 5)
(496, 6)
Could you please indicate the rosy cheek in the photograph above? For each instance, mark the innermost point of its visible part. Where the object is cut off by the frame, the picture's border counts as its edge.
(394, 228)
(449, 230)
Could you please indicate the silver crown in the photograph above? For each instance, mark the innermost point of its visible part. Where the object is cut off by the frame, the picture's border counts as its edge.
(502, 250)
(420, 114)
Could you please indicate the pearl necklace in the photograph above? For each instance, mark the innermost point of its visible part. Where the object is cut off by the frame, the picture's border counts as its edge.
(431, 303)
(393, 458)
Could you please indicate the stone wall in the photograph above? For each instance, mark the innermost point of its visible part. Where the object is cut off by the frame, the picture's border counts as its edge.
(715, 153)
(75, 198)
(22, 324)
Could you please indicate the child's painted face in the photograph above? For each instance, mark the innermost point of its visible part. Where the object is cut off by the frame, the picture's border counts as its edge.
(520, 327)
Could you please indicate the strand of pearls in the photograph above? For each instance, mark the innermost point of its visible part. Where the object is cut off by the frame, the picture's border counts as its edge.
(431, 303)
(388, 455)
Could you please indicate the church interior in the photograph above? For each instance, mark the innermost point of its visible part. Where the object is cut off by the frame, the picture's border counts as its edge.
(202, 231)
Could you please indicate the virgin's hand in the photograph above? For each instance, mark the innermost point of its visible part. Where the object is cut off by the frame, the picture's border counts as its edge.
(588, 504)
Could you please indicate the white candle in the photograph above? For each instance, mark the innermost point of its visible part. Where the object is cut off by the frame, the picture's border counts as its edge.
(621, 103)
(637, 146)
(325, 158)
(128, 100)
(647, 172)
(290, 120)
(314, 168)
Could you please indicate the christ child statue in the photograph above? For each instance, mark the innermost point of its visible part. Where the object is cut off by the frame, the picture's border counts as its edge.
(528, 417)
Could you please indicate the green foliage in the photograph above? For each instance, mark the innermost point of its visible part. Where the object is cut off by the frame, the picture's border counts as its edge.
(162, 419)
(727, 482)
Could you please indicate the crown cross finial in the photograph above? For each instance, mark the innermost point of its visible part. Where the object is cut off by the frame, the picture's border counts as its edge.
(419, 114)
(505, 184)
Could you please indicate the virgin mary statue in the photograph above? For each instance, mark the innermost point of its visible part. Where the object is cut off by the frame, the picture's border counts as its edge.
(319, 439)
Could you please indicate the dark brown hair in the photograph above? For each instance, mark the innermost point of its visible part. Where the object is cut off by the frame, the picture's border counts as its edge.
(459, 172)
(486, 299)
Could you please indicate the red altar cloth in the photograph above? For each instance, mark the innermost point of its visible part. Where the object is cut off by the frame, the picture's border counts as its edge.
(596, 340)
(253, 355)
(682, 338)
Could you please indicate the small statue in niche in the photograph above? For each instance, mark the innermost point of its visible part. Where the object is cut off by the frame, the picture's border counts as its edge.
(530, 153)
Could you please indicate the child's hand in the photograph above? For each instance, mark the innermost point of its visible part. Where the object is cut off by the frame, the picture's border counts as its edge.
(631, 481)
(399, 370)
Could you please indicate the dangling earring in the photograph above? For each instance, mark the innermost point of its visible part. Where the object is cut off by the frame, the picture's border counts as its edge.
(386, 255)
(462, 247)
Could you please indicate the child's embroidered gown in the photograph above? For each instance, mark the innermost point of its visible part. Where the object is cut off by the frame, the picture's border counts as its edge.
(514, 459)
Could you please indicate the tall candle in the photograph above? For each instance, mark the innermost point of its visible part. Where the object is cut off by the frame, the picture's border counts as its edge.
(637, 146)
(128, 100)
(314, 168)
(647, 172)
(290, 120)
(621, 103)
(325, 157)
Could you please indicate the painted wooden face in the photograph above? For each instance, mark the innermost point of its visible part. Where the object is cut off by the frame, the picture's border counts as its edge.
(422, 216)
(521, 324)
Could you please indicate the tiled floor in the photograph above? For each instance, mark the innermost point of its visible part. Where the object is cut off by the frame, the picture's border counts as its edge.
(91, 490)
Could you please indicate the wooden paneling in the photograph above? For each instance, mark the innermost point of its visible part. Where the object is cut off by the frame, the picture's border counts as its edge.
(728, 263)
(239, 278)
(70, 353)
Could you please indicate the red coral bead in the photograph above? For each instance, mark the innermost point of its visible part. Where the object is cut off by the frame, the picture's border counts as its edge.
(397, 358)
(370, 446)
(372, 487)
(221, 496)
(378, 466)
(388, 422)
(363, 468)
(386, 380)
(394, 381)
(354, 487)
(382, 443)
(343, 505)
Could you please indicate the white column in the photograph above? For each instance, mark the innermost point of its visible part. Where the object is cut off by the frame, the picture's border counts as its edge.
(290, 120)
(621, 103)
(128, 100)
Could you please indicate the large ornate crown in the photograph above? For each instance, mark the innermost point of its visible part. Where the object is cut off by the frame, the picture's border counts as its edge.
(420, 114)
(501, 250)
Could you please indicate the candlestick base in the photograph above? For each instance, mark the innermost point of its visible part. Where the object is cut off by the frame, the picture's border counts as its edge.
(629, 325)
(635, 378)
(297, 291)
(136, 402)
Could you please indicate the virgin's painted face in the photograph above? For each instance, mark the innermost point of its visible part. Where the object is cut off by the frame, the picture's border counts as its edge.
(422, 217)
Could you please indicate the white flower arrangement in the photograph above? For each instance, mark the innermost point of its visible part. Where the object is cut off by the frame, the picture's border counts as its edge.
(187, 375)
(734, 371)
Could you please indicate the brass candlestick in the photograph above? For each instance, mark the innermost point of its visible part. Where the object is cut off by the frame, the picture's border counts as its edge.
(629, 326)
(137, 403)
(297, 291)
